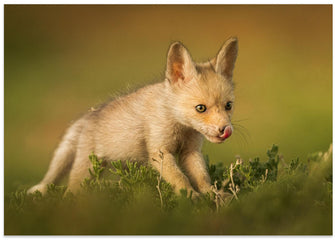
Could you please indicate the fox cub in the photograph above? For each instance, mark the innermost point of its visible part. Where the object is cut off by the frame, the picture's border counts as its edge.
(170, 117)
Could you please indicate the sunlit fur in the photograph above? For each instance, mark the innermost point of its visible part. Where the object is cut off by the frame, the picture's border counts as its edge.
(157, 118)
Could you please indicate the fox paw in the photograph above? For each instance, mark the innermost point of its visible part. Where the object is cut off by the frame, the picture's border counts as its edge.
(39, 187)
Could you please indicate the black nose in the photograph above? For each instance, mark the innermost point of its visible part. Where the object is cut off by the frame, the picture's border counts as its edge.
(222, 129)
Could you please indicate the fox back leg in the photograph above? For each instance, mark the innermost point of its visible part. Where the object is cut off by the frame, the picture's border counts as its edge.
(62, 160)
(81, 164)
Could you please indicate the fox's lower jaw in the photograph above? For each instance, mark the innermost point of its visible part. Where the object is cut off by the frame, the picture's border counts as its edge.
(220, 137)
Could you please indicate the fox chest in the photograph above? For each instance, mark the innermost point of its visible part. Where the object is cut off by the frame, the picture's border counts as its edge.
(177, 140)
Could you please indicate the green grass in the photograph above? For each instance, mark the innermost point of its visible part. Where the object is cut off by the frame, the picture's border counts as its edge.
(266, 197)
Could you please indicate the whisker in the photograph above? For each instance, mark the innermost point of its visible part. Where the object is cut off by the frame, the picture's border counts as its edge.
(240, 127)
(242, 133)
(242, 136)
(240, 120)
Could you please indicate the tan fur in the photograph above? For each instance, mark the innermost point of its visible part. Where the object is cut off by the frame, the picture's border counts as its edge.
(157, 118)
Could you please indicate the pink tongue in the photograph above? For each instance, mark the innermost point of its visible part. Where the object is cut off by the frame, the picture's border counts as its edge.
(227, 132)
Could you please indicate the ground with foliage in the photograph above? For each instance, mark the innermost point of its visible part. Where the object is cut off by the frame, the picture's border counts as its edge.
(265, 197)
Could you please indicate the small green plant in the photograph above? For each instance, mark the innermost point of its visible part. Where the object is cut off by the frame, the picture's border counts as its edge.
(244, 176)
(132, 174)
(97, 167)
(95, 183)
(18, 199)
(134, 178)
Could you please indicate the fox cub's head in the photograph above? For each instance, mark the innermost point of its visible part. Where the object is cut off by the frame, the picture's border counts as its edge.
(202, 93)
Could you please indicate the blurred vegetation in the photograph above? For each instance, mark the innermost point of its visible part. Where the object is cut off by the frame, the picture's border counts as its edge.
(272, 197)
(60, 60)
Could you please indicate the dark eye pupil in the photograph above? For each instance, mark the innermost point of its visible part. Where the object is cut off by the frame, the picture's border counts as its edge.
(200, 108)
(228, 105)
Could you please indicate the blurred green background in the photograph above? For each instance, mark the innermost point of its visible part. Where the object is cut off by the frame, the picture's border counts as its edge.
(62, 60)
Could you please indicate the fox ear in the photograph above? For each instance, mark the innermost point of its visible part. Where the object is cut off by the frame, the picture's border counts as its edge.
(180, 66)
(225, 60)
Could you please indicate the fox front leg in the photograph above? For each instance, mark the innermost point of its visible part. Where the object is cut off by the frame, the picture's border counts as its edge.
(166, 165)
(195, 168)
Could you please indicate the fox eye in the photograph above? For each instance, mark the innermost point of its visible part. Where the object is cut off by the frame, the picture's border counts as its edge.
(200, 108)
(229, 105)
